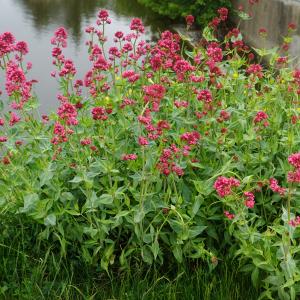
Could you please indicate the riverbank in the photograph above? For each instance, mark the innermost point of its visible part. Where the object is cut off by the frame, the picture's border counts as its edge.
(274, 16)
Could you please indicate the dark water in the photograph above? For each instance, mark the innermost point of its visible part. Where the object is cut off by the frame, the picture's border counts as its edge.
(35, 21)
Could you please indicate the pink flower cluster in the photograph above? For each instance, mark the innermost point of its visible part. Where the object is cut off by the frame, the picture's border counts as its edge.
(127, 102)
(7, 41)
(154, 94)
(204, 95)
(191, 138)
(223, 13)
(129, 157)
(103, 17)
(60, 134)
(224, 116)
(67, 112)
(143, 141)
(167, 163)
(275, 187)
(295, 222)
(224, 185)
(100, 113)
(214, 52)
(249, 202)
(228, 215)
(131, 76)
(16, 84)
(261, 117)
(182, 67)
(60, 37)
(136, 24)
(256, 70)
(294, 160)
(189, 20)
(14, 118)
(154, 131)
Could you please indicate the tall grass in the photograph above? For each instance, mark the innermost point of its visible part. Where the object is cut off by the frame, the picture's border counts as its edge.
(25, 275)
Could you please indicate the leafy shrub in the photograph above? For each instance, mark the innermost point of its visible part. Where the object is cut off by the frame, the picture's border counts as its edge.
(155, 157)
(203, 10)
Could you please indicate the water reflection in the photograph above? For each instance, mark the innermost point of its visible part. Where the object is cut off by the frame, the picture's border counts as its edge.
(73, 14)
(35, 21)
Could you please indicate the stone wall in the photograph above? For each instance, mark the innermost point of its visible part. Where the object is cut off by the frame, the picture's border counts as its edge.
(273, 15)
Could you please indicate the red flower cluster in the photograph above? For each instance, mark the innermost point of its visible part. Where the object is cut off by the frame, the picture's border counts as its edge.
(136, 24)
(256, 70)
(189, 20)
(16, 84)
(261, 116)
(204, 95)
(228, 215)
(100, 113)
(224, 185)
(60, 37)
(214, 52)
(167, 164)
(14, 118)
(131, 76)
(295, 222)
(129, 157)
(127, 102)
(181, 67)
(249, 202)
(68, 113)
(60, 134)
(294, 160)
(223, 13)
(143, 141)
(191, 137)
(153, 94)
(103, 17)
(275, 187)
(85, 142)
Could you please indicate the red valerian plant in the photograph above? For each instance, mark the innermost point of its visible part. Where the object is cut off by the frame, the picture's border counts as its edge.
(156, 155)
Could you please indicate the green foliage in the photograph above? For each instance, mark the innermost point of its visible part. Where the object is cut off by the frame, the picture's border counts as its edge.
(203, 10)
(130, 174)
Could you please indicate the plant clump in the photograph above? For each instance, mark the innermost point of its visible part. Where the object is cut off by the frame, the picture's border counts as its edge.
(156, 157)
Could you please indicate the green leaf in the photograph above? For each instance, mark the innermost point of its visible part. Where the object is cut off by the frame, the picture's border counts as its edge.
(50, 220)
(139, 216)
(177, 252)
(196, 206)
(255, 277)
(67, 196)
(275, 280)
(177, 226)
(203, 187)
(76, 179)
(105, 199)
(196, 230)
(45, 177)
(244, 16)
(155, 248)
(147, 255)
(2, 201)
(30, 202)
(208, 34)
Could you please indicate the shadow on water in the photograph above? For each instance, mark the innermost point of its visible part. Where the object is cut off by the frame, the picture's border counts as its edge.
(73, 13)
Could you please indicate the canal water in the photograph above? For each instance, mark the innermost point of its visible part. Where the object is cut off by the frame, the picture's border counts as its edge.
(34, 21)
